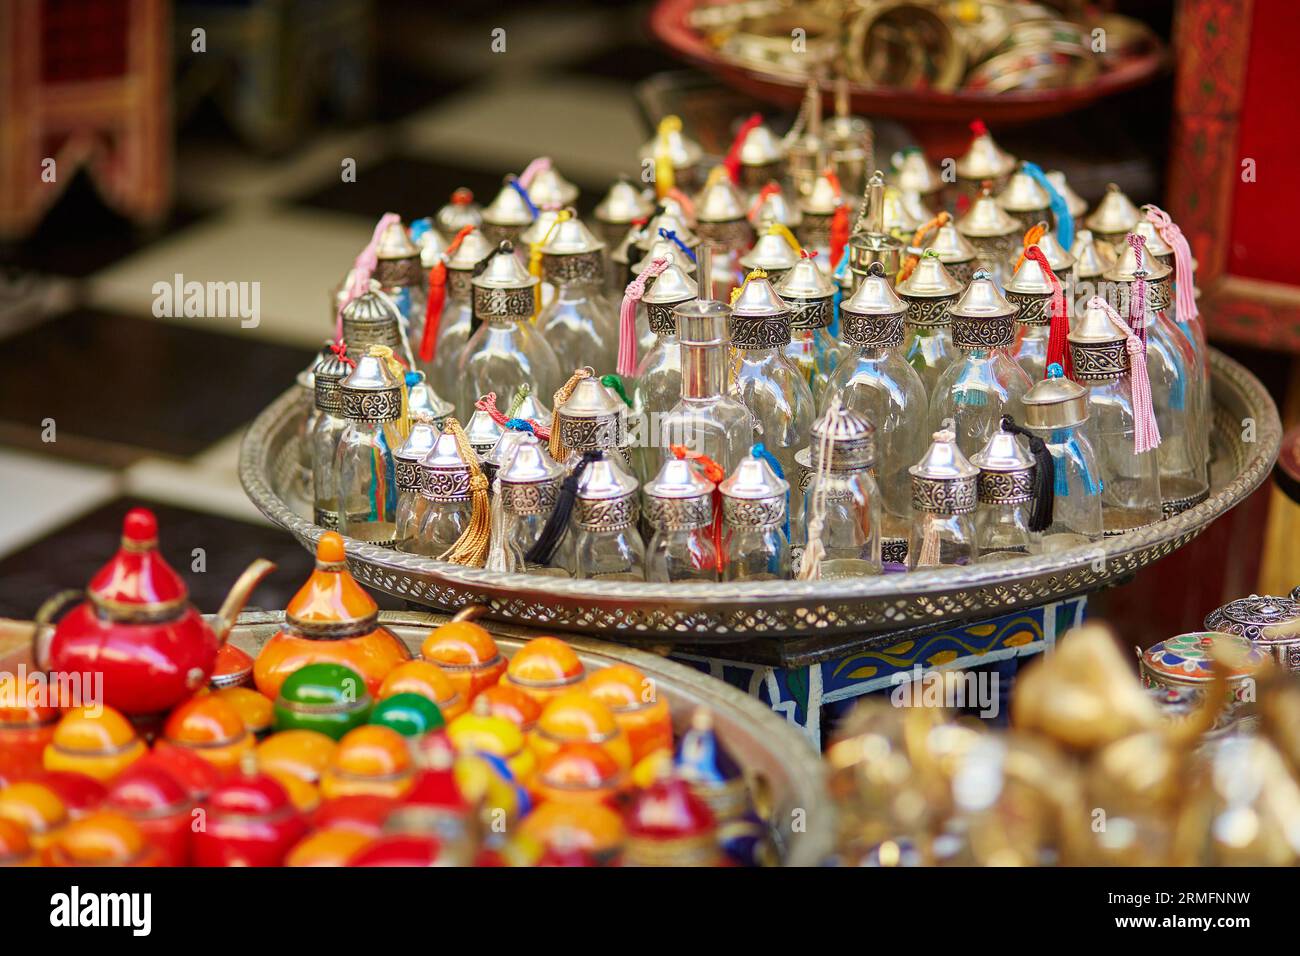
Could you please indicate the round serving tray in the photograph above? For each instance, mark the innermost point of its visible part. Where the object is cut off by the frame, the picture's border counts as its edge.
(1246, 435)
(785, 774)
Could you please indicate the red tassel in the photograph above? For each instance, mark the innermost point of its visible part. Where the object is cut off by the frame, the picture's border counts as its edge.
(839, 237)
(437, 298)
(771, 189)
(1058, 345)
(713, 472)
(732, 162)
(978, 128)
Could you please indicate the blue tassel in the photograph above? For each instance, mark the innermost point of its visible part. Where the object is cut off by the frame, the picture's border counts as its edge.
(671, 236)
(1060, 208)
(520, 425)
(1061, 484)
(523, 194)
(1178, 391)
(971, 397)
(840, 272)
(419, 227)
(760, 451)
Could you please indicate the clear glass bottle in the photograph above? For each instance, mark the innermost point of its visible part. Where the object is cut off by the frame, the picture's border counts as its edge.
(985, 382)
(1030, 290)
(929, 292)
(756, 522)
(604, 543)
(580, 323)
(841, 504)
(300, 485)
(810, 294)
(1128, 470)
(992, 232)
(528, 486)
(1005, 492)
(328, 377)
(761, 376)
(457, 314)
(367, 472)
(876, 383)
(506, 350)
(707, 419)
(818, 209)
(445, 484)
(661, 249)
(1176, 383)
(1056, 410)
(592, 418)
(658, 384)
(944, 499)
(402, 277)
(679, 507)
(412, 505)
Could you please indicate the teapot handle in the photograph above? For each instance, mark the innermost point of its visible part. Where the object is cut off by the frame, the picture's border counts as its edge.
(43, 629)
(470, 612)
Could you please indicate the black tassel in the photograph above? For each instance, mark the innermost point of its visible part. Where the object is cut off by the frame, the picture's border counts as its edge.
(558, 523)
(1040, 519)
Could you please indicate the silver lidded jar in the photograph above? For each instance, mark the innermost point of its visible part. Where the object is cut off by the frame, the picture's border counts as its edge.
(527, 489)
(373, 318)
(509, 213)
(658, 383)
(810, 294)
(400, 272)
(579, 322)
(328, 377)
(992, 232)
(411, 503)
(1029, 289)
(445, 484)
(593, 418)
(1057, 411)
(604, 543)
(456, 319)
(841, 505)
(756, 522)
(944, 498)
(364, 462)
(929, 292)
(1006, 498)
(679, 507)
(1270, 623)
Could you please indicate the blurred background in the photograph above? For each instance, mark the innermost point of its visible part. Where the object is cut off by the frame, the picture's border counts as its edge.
(227, 163)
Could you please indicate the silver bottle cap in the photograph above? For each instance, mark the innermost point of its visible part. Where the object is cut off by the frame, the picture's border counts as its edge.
(371, 393)
(473, 249)
(572, 254)
(929, 292)
(985, 159)
(1006, 470)
(408, 456)
(622, 204)
(987, 220)
(1091, 258)
(1125, 273)
(847, 438)
(982, 317)
(397, 258)
(872, 316)
(1058, 257)
(1098, 348)
(678, 498)
(1023, 194)
(1156, 246)
(823, 199)
(1114, 216)
(753, 495)
(671, 288)
(491, 460)
(719, 201)
(761, 147)
(327, 381)
(532, 410)
(508, 209)
(809, 292)
(444, 473)
(503, 291)
(483, 433)
(529, 481)
(1055, 402)
(422, 399)
(668, 222)
(460, 212)
(943, 481)
(759, 318)
(606, 497)
(592, 418)
(372, 318)
(550, 188)
(1073, 201)
(773, 207)
(771, 253)
(432, 245)
(663, 249)
(680, 150)
(914, 173)
(950, 245)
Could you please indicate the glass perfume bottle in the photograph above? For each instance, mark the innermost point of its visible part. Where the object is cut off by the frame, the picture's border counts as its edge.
(841, 503)
(300, 483)
(868, 241)
(810, 294)
(1030, 290)
(820, 209)
(456, 316)
(761, 375)
(679, 507)
(658, 377)
(663, 250)
(756, 521)
(506, 350)
(944, 499)
(328, 377)
(1056, 411)
(1109, 362)
(929, 292)
(992, 232)
(367, 473)
(878, 384)
(1005, 495)
(411, 502)
(1143, 292)
(605, 543)
(402, 277)
(592, 418)
(985, 382)
(528, 487)
(445, 484)
(580, 323)
(707, 419)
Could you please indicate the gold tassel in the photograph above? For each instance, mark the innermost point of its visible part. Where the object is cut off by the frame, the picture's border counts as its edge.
(930, 545)
(471, 548)
(535, 259)
(782, 230)
(557, 449)
(753, 274)
(665, 175)
(385, 355)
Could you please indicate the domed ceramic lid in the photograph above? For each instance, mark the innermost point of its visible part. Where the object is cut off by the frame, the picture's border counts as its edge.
(1126, 268)
(460, 212)
(771, 253)
(254, 796)
(951, 245)
(761, 147)
(1023, 194)
(668, 811)
(985, 159)
(622, 204)
(719, 201)
(1073, 201)
(137, 578)
(1055, 401)
(505, 271)
(550, 188)
(1115, 214)
(1091, 258)
(1187, 657)
(324, 684)
(145, 788)
(331, 603)
(394, 243)
(508, 208)
(1254, 617)
(986, 219)
(823, 199)
(473, 249)
(929, 280)
(773, 206)
(874, 296)
(913, 172)
(671, 286)
(851, 437)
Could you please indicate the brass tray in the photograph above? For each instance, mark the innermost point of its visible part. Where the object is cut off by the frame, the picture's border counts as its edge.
(1246, 436)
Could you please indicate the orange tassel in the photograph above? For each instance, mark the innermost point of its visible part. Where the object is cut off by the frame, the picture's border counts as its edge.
(1032, 235)
(909, 264)
(715, 473)
(438, 298)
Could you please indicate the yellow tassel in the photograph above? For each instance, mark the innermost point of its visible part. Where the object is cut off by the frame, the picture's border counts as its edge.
(471, 548)
(558, 451)
(385, 355)
(754, 274)
(665, 175)
(715, 176)
(782, 230)
(535, 259)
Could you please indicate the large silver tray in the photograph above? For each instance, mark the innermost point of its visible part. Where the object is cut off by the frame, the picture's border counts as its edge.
(786, 776)
(1246, 437)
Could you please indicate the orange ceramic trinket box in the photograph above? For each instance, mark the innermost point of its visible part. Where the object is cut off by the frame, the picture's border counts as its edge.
(257, 712)
(26, 725)
(369, 760)
(480, 732)
(98, 742)
(35, 808)
(212, 728)
(637, 707)
(428, 680)
(330, 620)
(508, 701)
(593, 828)
(15, 848)
(467, 654)
(328, 848)
(579, 773)
(543, 668)
(577, 717)
(104, 838)
(300, 753)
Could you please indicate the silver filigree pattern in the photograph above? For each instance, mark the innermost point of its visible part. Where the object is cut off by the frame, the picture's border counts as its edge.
(503, 305)
(752, 332)
(945, 497)
(678, 514)
(872, 331)
(449, 485)
(810, 313)
(660, 316)
(606, 514)
(733, 234)
(529, 498)
(1176, 506)
(377, 405)
(1096, 362)
(409, 475)
(573, 267)
(591, 433)
(1006, 487)
(754, 512)
(393, 273)
(929, 311)
(1032, 308)
(975, 334)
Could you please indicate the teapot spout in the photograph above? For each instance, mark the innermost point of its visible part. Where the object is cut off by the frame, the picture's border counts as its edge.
(238, 597)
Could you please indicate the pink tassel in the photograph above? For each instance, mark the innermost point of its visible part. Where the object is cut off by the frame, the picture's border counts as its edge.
(1184, 273)
(532, 169)
(627, 359)
(1146, 433)
(363, 268)
(1137, 300)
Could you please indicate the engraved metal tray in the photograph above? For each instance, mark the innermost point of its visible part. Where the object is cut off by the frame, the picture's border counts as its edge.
(1245, 439)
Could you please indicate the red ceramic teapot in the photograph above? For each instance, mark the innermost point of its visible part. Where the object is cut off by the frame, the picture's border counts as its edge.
(137, 627)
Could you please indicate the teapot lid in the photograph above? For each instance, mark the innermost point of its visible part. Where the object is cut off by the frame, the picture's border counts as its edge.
(137, 578)
(332, 604)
